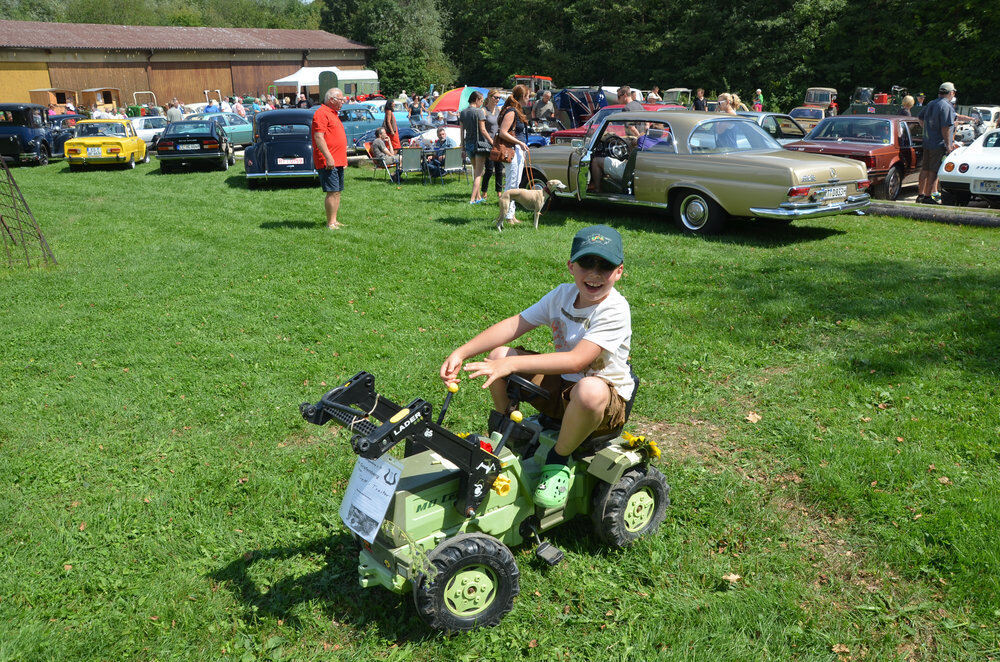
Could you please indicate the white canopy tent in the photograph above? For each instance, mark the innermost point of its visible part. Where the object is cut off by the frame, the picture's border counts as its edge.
(351, 81)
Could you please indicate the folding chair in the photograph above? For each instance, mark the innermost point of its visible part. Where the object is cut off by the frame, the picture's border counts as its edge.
(378, 164)
(411, 161)
(453, 162)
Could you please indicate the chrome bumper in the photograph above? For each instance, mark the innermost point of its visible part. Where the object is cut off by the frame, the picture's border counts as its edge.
(813, 209)
(268, 175)
(197, 156)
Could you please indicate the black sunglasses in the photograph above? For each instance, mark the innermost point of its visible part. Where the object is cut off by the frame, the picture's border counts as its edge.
(594, 262)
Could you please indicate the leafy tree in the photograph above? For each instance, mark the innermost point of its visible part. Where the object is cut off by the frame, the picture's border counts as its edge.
(407, 36)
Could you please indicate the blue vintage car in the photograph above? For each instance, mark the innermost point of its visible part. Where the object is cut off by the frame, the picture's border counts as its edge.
(29, 135)
(358, 119)
(282, 147)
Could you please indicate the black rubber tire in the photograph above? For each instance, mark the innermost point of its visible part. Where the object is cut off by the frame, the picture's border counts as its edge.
(131, 163)
(637, 487)
(43, 156)
(145, 157)
(224, 166)
(890, 186)
(232, 157)
(697, 213)
(478, 556)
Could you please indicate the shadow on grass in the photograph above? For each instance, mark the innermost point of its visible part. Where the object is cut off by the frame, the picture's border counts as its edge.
(240, 181)
(292, 225)
(335, 586)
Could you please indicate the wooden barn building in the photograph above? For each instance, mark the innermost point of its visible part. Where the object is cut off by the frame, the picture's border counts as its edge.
(58, 58)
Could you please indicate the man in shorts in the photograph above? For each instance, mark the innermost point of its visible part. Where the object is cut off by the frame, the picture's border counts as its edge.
(330, 151)
(938, 120)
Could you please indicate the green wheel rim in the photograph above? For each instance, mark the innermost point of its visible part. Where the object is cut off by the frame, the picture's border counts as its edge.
(471, 591)
(639, 510)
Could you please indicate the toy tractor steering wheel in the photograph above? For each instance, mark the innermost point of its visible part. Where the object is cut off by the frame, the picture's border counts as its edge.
(517, 384)
(618, 148)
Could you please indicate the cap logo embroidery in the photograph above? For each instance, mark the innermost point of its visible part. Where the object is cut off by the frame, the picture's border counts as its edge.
(598, 238)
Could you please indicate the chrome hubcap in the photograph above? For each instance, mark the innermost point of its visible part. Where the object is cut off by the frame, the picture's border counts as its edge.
(694, 212)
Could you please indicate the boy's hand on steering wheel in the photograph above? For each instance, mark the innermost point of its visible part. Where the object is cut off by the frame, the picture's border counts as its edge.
(493, 369)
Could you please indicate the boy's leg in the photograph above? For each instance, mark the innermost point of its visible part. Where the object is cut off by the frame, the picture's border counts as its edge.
(587, 403)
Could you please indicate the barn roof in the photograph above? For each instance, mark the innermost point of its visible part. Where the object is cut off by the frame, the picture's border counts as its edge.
(88, 36)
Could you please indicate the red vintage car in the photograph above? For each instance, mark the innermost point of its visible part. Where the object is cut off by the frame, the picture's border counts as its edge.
(567, 136)
(890, 146)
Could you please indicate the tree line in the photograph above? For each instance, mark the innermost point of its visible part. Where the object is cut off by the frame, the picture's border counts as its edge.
(782, 47)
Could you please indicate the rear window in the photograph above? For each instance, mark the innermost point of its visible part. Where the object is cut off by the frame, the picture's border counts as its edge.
(188, 128)
(853, 127)
(279, 131)
(992, 140)
(96, 130)
(723, 136)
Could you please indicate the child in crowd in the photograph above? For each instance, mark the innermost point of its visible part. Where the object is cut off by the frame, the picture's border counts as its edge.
(587, 375)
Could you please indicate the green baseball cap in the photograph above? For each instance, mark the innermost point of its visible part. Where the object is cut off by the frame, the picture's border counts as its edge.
(599, 240)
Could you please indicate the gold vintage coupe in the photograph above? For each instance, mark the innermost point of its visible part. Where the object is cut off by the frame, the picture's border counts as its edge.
(105, 142)
(703, 168)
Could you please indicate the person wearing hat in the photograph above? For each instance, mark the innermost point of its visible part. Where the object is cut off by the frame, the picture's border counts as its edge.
(938, 121)
(587, 376)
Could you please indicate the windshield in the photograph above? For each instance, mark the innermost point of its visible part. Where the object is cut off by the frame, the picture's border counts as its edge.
(807, 113)
(188, 128)
(99, 129)
(724, 136)
(857, 128)
(992, 140)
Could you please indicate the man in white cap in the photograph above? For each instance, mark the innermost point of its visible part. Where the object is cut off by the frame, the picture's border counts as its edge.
(938, 120)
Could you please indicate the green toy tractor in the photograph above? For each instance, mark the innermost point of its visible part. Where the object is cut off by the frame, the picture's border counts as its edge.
(453, 507)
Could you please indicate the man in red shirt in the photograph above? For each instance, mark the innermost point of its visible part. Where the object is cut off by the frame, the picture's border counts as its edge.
(330, 151)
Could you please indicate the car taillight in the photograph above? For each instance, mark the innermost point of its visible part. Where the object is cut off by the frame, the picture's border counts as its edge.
(164, 145)
(114, 150)
(948, 167)
(964, 167)
(72, 151)
(863, 185)
(798, 191)
(210, 144)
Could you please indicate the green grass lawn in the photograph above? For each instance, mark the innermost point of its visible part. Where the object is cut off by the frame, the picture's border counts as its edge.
(162, 499)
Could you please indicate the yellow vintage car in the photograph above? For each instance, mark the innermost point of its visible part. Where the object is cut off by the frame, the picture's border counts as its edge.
(703, 168)
(103, 142)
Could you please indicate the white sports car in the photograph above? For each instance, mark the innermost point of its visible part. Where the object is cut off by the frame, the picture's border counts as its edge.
(973, 171)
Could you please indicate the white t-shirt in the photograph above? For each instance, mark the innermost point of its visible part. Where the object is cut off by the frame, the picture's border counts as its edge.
(607, 324)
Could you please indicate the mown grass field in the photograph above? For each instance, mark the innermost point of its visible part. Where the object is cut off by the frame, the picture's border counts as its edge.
(162, 499)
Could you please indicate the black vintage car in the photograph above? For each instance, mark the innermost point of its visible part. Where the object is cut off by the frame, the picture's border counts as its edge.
(29, 135)
(192, 143)
(282, 147)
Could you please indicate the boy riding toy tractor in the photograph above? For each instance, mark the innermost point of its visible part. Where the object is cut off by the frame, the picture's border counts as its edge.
(461, 502)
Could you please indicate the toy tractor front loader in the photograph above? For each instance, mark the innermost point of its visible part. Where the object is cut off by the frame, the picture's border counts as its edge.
(461, 502)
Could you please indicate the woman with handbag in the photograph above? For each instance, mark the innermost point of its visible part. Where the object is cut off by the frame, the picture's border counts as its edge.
(476, 142)
(513, 134)
(493, 168)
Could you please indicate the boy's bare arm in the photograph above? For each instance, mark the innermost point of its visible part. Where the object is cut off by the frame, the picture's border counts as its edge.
(553, 363)
(500, 333)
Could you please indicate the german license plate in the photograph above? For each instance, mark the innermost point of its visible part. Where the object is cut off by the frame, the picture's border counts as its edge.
(93, 151)
(296, 161)
(188, 146)
(987, 186)
(835, 192)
